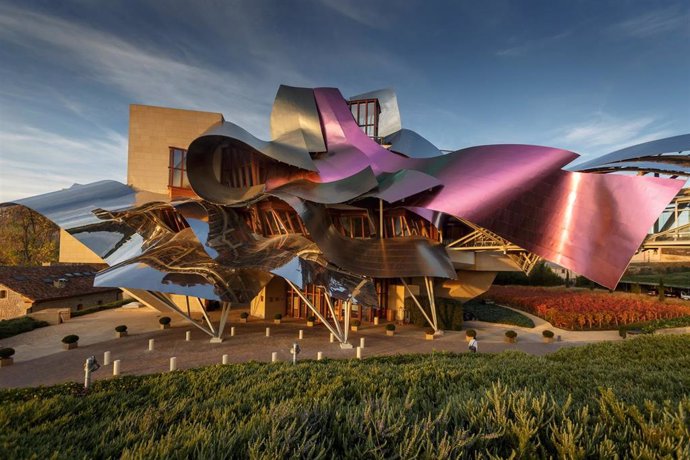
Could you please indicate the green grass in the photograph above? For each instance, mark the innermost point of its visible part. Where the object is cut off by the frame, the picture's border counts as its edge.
(675, 279)
(12, 327)
(623, 399)
(96, 309)
(492, 313)
(652, 326)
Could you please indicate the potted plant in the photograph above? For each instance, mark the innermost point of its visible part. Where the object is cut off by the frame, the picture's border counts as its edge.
(121, 331)
(470, 334)
(623, 332)
(243, 317)
(70, 342)
(311, 319)
(390, 329)
(354, 327)
(165, 322)
(548, 336)
(429, 334)
(6, 357)
(511, 336)
(276, 318)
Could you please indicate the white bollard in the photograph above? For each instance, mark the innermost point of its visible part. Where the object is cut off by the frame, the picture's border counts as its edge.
(106, 358)
(319, 355)
(173, 364)
(376, 320)
(232, 331)
(332, 338)
(268, 332)
(301, 334)
(188, 336)
(274, 357)
(226, 359)
(151, 344)
(361, 342)
(116, 367)
(359, 352)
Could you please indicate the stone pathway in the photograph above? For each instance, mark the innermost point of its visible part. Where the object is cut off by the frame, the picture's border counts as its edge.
(40, 359)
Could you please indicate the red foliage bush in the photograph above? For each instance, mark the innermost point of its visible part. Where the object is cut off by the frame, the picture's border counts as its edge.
(584, 309)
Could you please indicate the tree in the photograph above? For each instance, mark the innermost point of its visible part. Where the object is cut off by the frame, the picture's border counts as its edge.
(662, 290)
(26, 237)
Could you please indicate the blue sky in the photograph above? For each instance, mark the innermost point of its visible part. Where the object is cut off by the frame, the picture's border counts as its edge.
(589, 76)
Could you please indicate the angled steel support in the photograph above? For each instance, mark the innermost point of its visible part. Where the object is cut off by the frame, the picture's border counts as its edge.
(208, 320)
(332, 310)
(432, 300)
(342, 338)
(162, 301)
(419, 305)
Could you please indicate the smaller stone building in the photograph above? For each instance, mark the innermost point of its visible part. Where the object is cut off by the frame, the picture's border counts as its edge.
(26, 290)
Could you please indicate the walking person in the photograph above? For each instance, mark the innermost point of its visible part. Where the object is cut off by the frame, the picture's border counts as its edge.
(473, 345)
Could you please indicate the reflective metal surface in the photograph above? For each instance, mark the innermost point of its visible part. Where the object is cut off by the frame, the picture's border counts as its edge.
(648, 151)
(389, 119)
(411, 144)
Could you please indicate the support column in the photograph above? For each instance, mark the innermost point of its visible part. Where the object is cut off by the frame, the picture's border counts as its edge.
(218, 336)
(432, 300)
(433, 323)
(318, 314)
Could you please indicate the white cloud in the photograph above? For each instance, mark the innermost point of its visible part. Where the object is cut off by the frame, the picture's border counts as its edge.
(37, 161)
(604, 133)
(653, 23)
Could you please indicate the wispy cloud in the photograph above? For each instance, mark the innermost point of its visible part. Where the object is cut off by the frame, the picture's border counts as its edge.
(653, 23)
(40, 160)
(527, 46)
(604, 133)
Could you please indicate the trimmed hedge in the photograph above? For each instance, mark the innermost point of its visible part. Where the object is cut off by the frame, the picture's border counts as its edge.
(165, 320)
(121, 328)
(96, 309)
(390, 327)
(11, 327)
(70, 339)
(6, 353)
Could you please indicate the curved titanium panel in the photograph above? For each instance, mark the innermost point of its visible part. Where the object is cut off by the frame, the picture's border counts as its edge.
(411, 144)
(295, 119)
(640, 151)
(378, 258)
(645, 166)
(592, 224)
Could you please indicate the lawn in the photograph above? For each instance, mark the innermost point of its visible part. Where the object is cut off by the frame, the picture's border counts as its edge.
(492, 313)
(623, 399)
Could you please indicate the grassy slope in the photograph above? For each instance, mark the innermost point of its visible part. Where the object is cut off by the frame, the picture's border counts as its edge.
(675, 279)
(492, 313)
(435, 405)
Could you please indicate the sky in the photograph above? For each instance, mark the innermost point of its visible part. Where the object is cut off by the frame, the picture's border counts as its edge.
(588, 76)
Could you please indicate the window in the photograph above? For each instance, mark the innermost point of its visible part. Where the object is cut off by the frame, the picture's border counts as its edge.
(3, 294)
(241, 169)
(366, 114)
(177, 169)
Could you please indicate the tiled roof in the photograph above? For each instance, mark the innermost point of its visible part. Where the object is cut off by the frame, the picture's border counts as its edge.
(39, 283)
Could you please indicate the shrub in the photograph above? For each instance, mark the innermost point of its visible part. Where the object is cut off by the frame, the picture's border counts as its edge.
(471, 333)
(311, 318)
(6, 352)
(70, 339)
(96, 309)
(623, 331)
(390, 327)
(511, 334)
(14, 326)
(244, 315)
(547, 334)
(164, 320)
(277, 316)
(356, 323)
(121, 328)
(429, 331)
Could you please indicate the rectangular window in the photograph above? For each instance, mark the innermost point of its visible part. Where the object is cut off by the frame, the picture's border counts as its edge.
(3, 294)
(177, 169)
(366, 114)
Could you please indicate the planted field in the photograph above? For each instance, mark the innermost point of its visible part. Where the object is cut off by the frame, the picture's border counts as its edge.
(615, 399)
(586, 309)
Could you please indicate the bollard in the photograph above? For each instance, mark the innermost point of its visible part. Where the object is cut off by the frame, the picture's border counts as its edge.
(226, 359)
(359, 352)
(268, 332)
(106, 358)
(232, 331)
(376, 320)
(116, 367)
(188, 336)
(332, 338)
(361, 342)
(301, 334)
(274, 357)
(319, 355)
(173, 364)
(151, 342)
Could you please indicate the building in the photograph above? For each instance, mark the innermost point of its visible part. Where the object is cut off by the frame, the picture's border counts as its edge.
(28, 290)
(343, 214)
